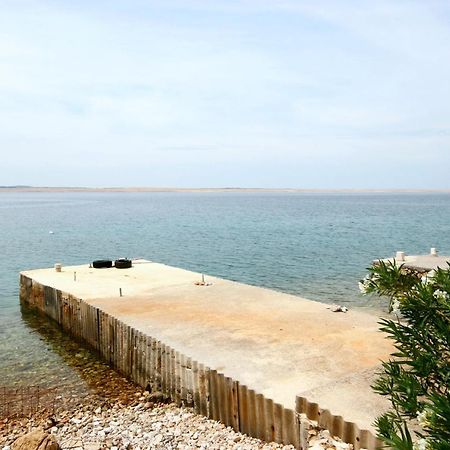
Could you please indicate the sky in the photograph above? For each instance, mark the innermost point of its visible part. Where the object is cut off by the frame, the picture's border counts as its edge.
(225, 93)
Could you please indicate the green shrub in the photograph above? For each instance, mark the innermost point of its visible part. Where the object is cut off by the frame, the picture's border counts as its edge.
(416, 379)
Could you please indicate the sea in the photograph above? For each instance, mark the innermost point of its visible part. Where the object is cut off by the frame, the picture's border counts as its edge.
(314, 245)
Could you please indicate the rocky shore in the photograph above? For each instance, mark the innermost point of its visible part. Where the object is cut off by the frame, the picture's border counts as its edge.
(140, 421)
(100, 409)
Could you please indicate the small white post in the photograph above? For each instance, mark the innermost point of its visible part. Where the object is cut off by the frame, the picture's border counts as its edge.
(57, 267)
(400, 256)
(433, 252)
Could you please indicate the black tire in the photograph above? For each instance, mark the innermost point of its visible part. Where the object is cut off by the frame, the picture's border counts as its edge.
(102, 264)
(122, 263)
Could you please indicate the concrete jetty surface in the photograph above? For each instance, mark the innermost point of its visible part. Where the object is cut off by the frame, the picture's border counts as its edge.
(421, 263)
(277, 344)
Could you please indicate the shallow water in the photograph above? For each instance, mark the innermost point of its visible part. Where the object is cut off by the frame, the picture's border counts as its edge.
(313, 245)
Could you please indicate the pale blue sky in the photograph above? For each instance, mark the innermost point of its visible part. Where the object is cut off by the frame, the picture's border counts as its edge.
(306, 94)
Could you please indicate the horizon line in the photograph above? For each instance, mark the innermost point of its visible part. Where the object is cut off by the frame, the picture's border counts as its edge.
(26, 188)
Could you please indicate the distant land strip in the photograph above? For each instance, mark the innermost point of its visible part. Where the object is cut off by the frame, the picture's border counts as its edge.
(20, 188)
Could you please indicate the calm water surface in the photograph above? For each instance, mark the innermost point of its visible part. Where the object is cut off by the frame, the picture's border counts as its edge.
(313, 245)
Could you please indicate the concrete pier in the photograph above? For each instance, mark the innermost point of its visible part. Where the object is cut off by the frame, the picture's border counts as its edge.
(420, 263)
(250, 357)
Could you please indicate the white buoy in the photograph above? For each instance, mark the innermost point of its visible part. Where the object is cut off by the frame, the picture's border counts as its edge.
(50, 232)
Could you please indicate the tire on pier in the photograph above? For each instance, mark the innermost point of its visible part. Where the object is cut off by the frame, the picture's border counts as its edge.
(122, 263)
(102, 264)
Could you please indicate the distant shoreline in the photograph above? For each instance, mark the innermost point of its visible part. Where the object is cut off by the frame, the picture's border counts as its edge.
(210, 190)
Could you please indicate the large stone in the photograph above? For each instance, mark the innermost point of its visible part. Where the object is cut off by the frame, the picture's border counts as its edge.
(157, 397)
(36, 440)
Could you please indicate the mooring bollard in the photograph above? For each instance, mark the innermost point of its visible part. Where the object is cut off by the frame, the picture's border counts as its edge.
(400, 256)
(57, 267)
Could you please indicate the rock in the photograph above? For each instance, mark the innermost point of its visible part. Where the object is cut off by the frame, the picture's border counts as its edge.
(101, 434)
(338, 308)
(91, 446)
(156, 397)
(36, 440)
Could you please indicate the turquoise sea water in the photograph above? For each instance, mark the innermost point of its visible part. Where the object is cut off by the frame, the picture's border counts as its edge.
(313, 245)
